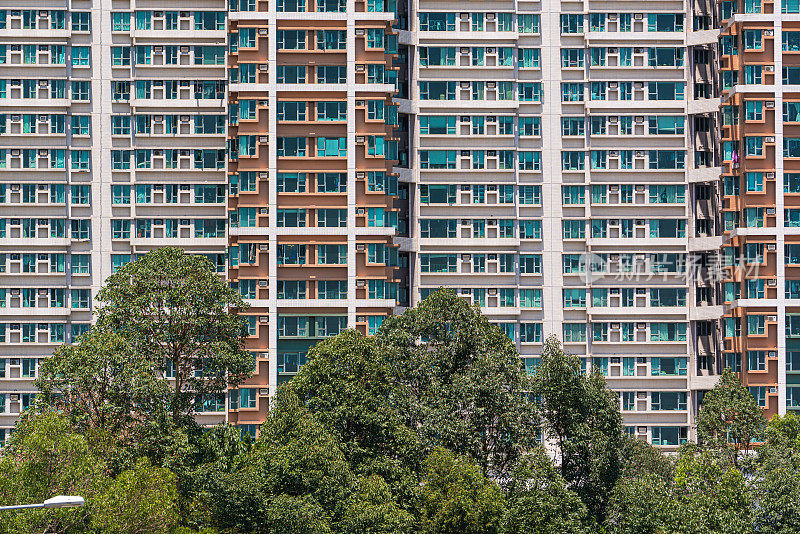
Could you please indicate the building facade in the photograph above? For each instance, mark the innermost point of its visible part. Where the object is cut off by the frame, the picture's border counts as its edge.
(760, 134)
(602, 171)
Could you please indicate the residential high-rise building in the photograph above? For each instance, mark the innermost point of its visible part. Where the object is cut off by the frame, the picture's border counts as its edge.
(759, 52)
(603, 171)
(565, 168)
(313, 199)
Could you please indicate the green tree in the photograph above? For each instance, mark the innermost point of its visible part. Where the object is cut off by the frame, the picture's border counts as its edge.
(172, 307)
(47, 456)
(640, 458)
(102, 383)
(784, 431)
(371, 509)
(775, 490)
(457, 498)
(730, 418)
(349, 387)
(582, 416)
(712, 495)
(295, 478)
(538, 500)
(464, 387)
(644, 504)
(142, 499)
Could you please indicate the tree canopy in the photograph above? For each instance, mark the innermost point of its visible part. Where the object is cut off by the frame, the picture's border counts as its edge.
(429, 427)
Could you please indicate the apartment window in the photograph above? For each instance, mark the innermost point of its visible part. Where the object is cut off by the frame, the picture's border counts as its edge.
(672, 436)
(668, 400)
(753, 74)
(667, 331)
(437, 90)
(331, 182)
(572, 92)
(79, 194)
(291, 40)
(666, 90)
(120, 22)
(331, 146)
(437, 22)
(530, 332)
(331, 254)
(760, 394)
(572, 23)
(329, 74)
(438, 263)
(573, 160)
(528, 23)
(572, 57)
(597, 22)
(666, 125)
(80, 90)
(528, 58)
(791, 147)
(752, 39)
(574, 332)
(756, 325)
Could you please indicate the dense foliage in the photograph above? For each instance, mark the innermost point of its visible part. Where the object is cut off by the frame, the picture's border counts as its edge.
(429, 427)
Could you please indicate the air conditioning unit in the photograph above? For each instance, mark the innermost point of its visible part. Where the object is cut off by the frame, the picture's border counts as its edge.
(770, 211)
(772, 283)
(770, 176)
(262, 283)
(466, 257)
(772, 354)
(769, 33)
(263, 318)
(769, 139)
(772, 389)
(612, 85)
(264, 246)
(638, 16)
(772, 318)
(465, 85)
(771, 246)
(359, 211)
(769, 104)
(769, 68)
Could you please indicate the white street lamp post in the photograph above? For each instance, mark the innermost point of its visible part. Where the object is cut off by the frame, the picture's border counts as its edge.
(61, 501)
